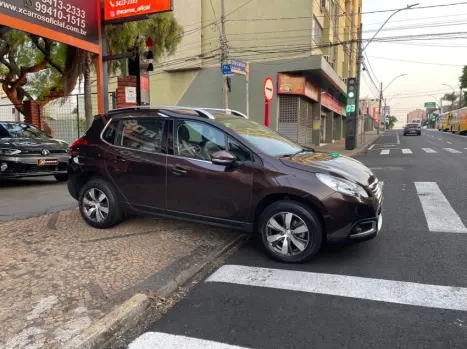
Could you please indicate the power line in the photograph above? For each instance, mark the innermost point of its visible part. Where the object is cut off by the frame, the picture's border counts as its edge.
(417, 62)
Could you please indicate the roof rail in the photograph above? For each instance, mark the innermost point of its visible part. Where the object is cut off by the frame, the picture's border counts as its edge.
(228, 111)
(200, 110)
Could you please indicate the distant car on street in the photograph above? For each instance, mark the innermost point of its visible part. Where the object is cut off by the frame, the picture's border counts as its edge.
(412, 129)
(218, 167)
(26, 151)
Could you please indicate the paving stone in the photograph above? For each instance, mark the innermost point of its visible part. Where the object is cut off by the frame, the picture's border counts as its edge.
(53, 283)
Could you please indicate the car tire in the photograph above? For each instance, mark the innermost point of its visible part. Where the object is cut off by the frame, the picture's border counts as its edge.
(107, 211)
(61, 177)
(310, 240)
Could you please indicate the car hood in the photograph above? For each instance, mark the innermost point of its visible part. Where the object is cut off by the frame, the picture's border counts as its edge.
(33, 144)
(332, 163)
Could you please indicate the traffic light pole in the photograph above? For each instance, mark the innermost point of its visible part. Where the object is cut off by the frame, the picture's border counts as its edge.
(379, 108)
(138, 78)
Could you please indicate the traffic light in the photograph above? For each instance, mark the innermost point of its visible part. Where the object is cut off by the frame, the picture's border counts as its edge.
(148, 56)
(351, 96)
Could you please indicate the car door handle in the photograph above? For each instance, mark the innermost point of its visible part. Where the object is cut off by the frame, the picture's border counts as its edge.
(179, 170)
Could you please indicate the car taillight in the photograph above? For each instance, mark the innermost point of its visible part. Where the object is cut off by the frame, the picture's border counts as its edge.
(76, 144)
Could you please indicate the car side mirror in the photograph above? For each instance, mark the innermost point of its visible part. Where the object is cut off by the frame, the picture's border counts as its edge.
(223, 158)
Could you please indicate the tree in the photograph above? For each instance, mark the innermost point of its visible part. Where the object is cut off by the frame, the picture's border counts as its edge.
(391, 121)
(31, 67)
(463, 85)
(451, 97)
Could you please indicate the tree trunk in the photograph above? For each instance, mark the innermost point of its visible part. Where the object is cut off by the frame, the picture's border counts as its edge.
(87, 90)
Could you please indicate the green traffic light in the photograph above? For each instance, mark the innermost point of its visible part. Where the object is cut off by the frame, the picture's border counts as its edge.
(351, 94)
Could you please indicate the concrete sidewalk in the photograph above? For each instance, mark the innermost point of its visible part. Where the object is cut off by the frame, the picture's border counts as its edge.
(339, 147)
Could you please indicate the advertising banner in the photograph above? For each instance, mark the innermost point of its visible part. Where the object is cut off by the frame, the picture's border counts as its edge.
(331, 103)
(297, 85)
(73, 22)
(130, 10)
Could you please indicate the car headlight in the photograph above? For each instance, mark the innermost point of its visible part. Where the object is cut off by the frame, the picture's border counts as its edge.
(9, 151)
(342, 186)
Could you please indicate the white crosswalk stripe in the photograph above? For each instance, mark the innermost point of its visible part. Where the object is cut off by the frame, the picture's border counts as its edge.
(153, 340)
(454, 151)
(399, 292)
(385, 151)
(406, 151)
(429, 150)
(439, 213)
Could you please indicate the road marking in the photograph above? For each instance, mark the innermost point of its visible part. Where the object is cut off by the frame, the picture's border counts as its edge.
(428, 150)
(448, 142)
(439, 139)
(398, 140)
(159, 340)
(406, 151)
(454, 151)
(385, 151)
(371, 147)
(399, 292)
(439, 213)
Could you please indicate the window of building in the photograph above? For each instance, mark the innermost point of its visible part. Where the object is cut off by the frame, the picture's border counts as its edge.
(145, 134)
(317, 35)
(198, 140)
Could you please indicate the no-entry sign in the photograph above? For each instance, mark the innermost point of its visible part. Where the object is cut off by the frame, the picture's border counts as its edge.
(129, 10)
(73, 22)
(268, 89)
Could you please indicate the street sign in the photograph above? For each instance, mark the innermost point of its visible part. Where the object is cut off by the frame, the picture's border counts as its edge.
(430, 105)
(226, 70)
(239, 67)
(386, 110)
(268, 89)
(131, 10)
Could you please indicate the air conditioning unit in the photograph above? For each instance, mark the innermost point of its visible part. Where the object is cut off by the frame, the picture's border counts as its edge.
(345, 81)
(326, 58)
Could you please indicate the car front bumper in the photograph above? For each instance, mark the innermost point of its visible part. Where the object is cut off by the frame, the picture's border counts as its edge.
(351, 219)
(32, 166)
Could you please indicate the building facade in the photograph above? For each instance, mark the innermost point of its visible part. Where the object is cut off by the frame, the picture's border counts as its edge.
(417, 114)
(305, 46)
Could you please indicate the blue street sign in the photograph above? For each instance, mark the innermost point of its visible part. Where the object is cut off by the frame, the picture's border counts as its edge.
(239, 67)
(226, 70)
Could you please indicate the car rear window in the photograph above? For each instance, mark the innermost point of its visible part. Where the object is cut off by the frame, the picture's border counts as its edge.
(413, 125)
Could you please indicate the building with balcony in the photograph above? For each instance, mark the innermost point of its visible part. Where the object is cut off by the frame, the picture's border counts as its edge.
(306, 47)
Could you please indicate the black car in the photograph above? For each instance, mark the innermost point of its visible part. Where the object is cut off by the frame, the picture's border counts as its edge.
(26, 151)
(412, 129)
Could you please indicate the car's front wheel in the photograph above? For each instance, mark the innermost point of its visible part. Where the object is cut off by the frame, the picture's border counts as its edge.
(290, 232)
(99, 205)
(61, 177)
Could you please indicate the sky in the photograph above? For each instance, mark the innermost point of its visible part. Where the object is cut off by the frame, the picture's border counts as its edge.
(423, 82)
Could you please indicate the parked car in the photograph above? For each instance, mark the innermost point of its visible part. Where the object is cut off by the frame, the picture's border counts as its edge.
(220, 168)
(26, 151)
(412, 129)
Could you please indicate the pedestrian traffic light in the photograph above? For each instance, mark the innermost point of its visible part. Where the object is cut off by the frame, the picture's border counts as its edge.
(148, 56)
(351, 96)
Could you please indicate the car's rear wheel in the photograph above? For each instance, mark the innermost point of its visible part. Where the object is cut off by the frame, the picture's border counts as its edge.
(290, 232)
(99, 205)
(61, 177)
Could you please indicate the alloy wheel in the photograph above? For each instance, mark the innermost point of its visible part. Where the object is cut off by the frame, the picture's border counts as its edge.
(95, 205)
(287, 234)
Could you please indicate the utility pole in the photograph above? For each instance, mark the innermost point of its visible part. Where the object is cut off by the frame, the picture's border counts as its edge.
(379, 108)
(224, 55)
(357, 93)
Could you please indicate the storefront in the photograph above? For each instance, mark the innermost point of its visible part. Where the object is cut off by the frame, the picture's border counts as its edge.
(298, 104)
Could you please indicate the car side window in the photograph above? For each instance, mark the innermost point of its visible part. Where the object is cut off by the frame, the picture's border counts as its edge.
(238, 150)
(198, 140)
(110, 132)
(145, 134)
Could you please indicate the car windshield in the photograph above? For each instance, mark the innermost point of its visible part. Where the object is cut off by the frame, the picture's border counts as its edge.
(262, 137)
(20, 130)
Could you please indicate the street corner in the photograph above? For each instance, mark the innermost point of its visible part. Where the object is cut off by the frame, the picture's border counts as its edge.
(59, 276)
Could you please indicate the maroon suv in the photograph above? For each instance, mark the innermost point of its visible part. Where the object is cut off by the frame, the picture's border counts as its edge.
(220, 168)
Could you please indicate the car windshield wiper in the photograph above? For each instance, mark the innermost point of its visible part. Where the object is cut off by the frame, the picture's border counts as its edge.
(296, 153)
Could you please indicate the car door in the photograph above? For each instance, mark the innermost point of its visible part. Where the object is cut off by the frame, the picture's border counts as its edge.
(198, 188)
(137, 161)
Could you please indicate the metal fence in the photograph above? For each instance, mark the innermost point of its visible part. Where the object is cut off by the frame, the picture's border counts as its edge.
(64, 116)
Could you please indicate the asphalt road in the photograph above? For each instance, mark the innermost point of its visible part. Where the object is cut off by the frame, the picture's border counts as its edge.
(407, 288)
(30, 197)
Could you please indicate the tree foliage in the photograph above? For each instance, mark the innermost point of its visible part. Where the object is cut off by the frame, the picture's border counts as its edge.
(391, 121)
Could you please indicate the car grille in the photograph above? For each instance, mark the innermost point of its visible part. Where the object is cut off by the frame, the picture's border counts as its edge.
(376, 189)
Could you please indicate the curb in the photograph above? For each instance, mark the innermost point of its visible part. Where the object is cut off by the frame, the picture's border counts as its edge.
(368, 144)
(127, 315)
